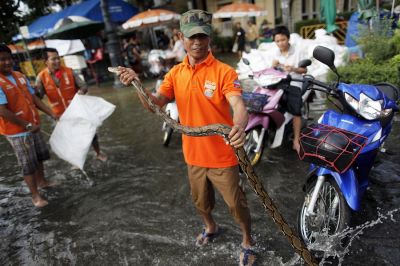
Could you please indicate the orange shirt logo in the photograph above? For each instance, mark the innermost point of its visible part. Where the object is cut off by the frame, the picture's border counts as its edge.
(209, 88)
(22, 81)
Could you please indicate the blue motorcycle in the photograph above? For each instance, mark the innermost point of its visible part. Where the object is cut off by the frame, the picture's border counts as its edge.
(342, 148)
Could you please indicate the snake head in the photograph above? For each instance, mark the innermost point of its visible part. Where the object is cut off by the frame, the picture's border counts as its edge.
(114, 70)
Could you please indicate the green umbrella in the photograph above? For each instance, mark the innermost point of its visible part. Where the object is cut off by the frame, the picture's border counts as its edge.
(367, 9)
(76, 30)
(328, 13)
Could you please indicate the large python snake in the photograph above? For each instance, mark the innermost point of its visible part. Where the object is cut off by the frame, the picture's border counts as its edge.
(253, 179)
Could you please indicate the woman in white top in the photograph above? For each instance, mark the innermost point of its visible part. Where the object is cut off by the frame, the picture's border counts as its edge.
(178, 51)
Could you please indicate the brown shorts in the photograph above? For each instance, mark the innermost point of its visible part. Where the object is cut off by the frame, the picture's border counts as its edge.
(226, 181)
(30, 150)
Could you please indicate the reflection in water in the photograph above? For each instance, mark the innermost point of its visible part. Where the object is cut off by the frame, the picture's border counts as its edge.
(139, 211)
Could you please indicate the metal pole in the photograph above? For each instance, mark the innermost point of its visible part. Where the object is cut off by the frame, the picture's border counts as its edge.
(153, 38)
(112, 44)
(391, 13)
(285, 12)
(26, 50)
(194, 3)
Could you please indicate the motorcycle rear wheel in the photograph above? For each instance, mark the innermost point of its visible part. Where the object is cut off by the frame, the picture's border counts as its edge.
(331, 213)
(250, 145)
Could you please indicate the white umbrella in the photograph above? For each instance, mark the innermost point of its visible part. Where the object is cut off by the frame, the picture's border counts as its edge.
(152, 17)
(238, 10)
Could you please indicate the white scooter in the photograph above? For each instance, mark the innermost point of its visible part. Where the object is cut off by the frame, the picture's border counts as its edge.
(171, 109)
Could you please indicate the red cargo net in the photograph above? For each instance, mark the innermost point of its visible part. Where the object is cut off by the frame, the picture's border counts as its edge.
(330, 147)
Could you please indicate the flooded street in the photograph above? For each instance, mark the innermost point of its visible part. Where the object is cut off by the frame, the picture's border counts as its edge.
(138, 211)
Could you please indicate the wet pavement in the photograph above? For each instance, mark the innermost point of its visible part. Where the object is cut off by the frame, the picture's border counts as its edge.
(139, 210)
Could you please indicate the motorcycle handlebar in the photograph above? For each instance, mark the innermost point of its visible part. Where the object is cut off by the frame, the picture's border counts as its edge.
(309, 81)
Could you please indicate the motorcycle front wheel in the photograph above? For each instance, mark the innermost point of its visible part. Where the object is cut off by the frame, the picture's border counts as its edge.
(331, 213)
(250, 145)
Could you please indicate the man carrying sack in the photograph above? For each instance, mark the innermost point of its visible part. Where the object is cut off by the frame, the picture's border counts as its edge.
(60, 85)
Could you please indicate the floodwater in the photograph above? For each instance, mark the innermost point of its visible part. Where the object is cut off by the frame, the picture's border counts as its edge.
(138, 210)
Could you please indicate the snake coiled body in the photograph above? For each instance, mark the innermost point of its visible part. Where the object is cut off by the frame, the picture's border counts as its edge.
(253, 179)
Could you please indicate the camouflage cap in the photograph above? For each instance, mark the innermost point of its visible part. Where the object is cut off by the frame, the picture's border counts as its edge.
(194, 22)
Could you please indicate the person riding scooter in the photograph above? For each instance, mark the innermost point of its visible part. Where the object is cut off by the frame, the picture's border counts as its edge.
(287, 58)
(269, 120)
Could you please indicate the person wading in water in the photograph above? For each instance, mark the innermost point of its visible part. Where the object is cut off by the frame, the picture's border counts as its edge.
(20, 124)
(205, 89)
(60, 84)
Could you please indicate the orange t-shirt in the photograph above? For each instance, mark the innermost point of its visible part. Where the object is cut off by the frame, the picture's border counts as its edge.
(201, 94)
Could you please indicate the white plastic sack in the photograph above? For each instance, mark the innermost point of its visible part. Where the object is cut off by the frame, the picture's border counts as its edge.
(74, 132)
(262, 57)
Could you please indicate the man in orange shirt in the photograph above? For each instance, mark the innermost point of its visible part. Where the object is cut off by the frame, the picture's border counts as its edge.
(20, 124)
(60, 84)
(205, 89)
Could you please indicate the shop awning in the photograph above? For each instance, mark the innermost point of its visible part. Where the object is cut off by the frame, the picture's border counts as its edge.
(120, 11)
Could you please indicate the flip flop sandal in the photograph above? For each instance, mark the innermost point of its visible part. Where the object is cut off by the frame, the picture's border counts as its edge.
(246, 253)
(205, 237)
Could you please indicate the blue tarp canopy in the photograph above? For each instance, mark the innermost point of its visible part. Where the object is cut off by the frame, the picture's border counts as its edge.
(120, 11)
(353, 27)
(355, 24)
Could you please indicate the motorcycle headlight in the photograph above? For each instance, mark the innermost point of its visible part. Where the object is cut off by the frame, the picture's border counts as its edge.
(351, 101)
(366, 107)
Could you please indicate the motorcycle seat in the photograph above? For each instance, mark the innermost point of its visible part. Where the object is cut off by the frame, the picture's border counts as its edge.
(391, 91)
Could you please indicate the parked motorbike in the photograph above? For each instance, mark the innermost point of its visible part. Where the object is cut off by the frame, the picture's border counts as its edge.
(160, 67)
(172, 110)
(268, 122)
(342, 148)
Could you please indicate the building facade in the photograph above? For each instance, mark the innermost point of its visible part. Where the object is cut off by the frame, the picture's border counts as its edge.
(299, 10)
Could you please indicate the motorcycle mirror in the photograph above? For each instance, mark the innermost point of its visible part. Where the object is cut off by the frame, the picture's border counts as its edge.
(326, 56)
(304, 63)
(245, 61)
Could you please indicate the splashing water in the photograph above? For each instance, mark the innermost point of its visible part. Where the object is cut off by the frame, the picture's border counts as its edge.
(332, 246)
(88, 179)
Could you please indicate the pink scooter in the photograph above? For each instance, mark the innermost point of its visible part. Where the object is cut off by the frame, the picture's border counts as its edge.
(267, 123)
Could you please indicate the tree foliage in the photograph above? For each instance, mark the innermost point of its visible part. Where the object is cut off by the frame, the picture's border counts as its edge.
(375, 41)
(365, 71)
(381, 46)
(8, 19)
(11, 17)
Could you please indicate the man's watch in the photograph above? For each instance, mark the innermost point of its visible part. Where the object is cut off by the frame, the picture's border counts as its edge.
(29, 126)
